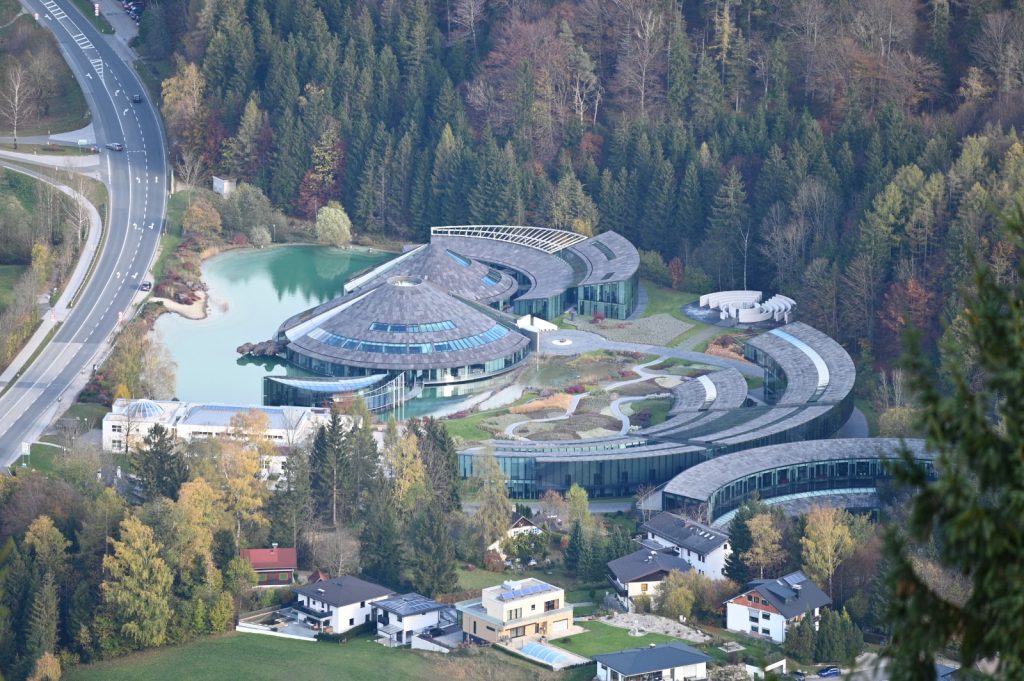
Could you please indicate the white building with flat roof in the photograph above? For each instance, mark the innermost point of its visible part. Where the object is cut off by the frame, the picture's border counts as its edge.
(131, 420)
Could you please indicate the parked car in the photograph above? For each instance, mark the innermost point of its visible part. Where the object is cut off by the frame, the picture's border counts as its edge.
(136, 98)
(115, 146)
(798, 676)
(826, 672)
(146, 286)
(532, 563)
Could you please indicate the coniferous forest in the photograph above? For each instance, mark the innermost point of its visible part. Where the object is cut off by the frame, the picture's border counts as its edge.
(853, 155)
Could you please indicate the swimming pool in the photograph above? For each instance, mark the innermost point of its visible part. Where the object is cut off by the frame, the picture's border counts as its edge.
(553, 657)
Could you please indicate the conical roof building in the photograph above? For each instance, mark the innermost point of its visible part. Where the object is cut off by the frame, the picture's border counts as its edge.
(403, 324)
(456, 274)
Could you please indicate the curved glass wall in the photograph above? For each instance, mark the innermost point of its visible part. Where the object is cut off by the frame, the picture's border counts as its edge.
(492, 334)
(813, 476)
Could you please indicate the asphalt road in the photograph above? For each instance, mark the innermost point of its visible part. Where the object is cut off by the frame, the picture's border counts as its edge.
(137, 182)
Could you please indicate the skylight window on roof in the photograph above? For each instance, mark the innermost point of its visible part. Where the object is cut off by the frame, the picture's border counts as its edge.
(608, 253)
(461, 259)
(492, 278)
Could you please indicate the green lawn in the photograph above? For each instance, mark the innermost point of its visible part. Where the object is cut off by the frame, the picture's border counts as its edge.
(602, 638)
(9, 275)
(756, 649)
(43, 457)
(94, 413)
(661, 300)
(576, 591)
(263, 658)
(657, 408)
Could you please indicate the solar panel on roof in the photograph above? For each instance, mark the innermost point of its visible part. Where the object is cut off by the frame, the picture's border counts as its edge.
(795, 578)
(525, 591)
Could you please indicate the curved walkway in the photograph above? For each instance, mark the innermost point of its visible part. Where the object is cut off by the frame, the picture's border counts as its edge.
(510, 430)
(584, 341)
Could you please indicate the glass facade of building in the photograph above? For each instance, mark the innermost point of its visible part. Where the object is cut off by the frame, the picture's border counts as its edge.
(286, 391)
(615, 299)
(815, 476)
(530, 477)
(455, 374)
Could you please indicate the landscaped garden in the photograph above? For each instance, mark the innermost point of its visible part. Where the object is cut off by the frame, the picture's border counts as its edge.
(604, 638)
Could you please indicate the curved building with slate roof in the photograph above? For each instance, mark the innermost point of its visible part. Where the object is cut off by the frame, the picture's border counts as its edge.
(403, 325)
(449, 270)
(808, 396)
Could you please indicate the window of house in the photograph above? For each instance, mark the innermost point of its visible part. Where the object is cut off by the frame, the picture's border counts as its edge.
(517, 632)
(362, 604)
(398, 617)
(262, 577)
(116, 429)
(533, 606)
(753, 628)
(283, 576)
(756, 599)
(766, 615)
(474, 626)
(643, 587)
(515, 613)
(753, 618)
(750, 598)
(351, 621)
(551, 605)
(764, 630)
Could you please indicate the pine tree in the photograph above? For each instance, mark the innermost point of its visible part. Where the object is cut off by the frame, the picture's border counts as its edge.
(380, 542)
(360, 457)
(137, 589)
(433, 570)
(800, 640)
(739, 536)
(160, 464)
(441, 461)
(574, 552)
(43, 619)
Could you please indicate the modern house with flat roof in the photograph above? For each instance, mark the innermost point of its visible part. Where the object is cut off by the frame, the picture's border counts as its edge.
(810, 397)
(812, 469)
(400, 618)
(702, 547)
(515, 609)
(771, 607)
(674, 660)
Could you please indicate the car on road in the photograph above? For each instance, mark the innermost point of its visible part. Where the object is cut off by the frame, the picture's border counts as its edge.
(136, 98)
(146, 286)
(115, 146)
(798, 676)
(826, 672)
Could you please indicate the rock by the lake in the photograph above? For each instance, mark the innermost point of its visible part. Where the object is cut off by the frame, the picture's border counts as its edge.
(264, 349)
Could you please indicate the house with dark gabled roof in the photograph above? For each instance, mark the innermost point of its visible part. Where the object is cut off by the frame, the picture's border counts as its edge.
(641, 572)
(668, 661)
(700, 545)
(341, 603)
(770, 607)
